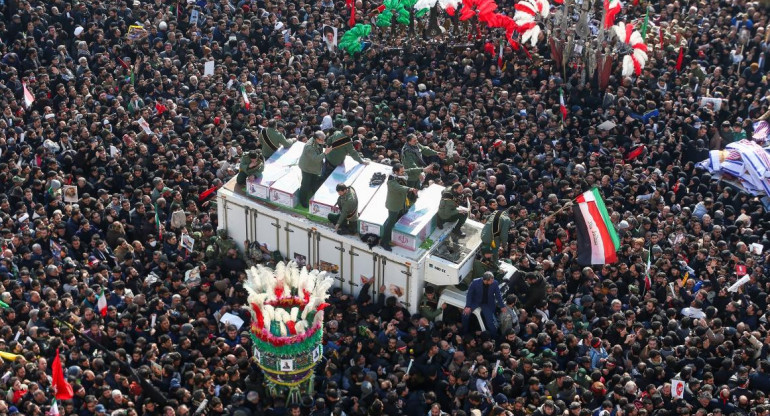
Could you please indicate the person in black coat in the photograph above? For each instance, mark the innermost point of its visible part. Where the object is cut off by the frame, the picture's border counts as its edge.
(535, 291)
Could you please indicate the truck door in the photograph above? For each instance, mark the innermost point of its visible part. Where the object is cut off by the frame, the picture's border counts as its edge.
(267, 231)
(330, 257)
(235, 220)
(363, 263)
(397, 278)
(297, 243)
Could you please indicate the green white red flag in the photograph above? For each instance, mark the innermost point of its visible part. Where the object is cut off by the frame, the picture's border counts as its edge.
(596, 237)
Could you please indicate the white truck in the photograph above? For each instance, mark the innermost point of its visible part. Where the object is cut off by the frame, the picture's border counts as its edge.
(265, 212)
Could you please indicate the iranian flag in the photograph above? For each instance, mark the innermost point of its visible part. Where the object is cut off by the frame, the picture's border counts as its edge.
(54, 409)
(596, 237)
(245, 96)
(28, 97)
(101, 304)
(562, 105)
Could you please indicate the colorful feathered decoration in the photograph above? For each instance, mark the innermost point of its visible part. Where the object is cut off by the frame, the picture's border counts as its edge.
(450, 6)
(634, 61)
(498, 20)
(484, 9)
(351, 40)
(401, 9)
(286, 304)
(526, 19)
(424, 4)
(611, 8)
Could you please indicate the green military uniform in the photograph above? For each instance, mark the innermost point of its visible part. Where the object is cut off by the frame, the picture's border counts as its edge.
(448, 212)
(397, 205)
(482, 265)
(271, 139)
(412, 157)
(429, 307)
(342, 146)
(348, 215)
(494, 235)
(311, 163)
(581, 378)
(245, 169)
(219, 246)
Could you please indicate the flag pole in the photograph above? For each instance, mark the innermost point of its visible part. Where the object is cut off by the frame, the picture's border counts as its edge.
(566, 205)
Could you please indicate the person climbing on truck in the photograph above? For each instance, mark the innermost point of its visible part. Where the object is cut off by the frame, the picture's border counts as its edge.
(252, 164)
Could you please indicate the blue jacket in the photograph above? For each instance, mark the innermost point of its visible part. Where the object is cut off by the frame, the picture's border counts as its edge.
(476, 294)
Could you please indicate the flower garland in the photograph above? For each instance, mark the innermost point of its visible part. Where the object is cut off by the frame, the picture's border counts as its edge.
(292, 383)
(276, 346)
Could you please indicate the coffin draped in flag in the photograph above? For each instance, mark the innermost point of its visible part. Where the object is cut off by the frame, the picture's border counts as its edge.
(596, 237)
(743, 164)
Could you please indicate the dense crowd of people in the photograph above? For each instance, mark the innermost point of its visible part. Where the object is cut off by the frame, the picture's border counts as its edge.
(109, 165)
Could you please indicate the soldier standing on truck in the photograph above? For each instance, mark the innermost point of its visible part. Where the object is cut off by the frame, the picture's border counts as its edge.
(311, 163)
(342, 145)
(270, 139)
(395, 202)
(252, 164)
(412, 156)
(347, 200)
(494, 235)
(449, 209)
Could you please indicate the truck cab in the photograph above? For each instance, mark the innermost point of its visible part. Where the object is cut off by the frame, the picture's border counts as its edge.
(455, 297)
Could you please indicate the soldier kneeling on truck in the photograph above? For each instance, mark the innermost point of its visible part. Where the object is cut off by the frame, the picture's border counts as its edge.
(345, 221)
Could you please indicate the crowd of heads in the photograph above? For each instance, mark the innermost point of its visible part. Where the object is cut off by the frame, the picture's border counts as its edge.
(106, 183)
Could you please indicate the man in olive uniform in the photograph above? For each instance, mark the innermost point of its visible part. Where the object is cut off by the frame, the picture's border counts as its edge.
(252, 164)
(448, 209)
(347, 200)
(219, 246)
(396, 202)
(271, 139)
(494, 235)
(311, 163)
(412, 155)
(482, 264)
(342, 145)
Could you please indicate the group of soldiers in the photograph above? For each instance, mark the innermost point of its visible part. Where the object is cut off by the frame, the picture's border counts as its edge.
(324, 153)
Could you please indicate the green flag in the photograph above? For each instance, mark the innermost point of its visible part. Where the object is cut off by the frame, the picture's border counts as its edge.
(645, 24)
(4, 305)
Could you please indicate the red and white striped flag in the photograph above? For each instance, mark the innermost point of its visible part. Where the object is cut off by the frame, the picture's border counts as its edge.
(28, 97)
(597, 240)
